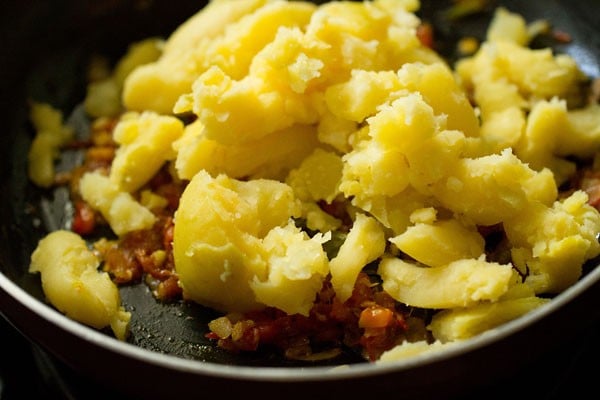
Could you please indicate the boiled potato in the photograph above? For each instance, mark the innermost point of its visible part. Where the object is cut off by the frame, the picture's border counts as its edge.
(271, 157)
(233, 252)
(297, 266)
(461, 283)
(464, 323)
(440, 243)
(103, 97)
(123, 213)
(412, 349)
(318, 177)
(51, 134)
(492, 188)
(72, 283)
(553, 256)
(365, 243)
(508, 26)
(157, 86)
(144, 146)
(338, 119)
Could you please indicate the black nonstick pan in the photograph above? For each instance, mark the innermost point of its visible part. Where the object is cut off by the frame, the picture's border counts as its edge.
(46, 45)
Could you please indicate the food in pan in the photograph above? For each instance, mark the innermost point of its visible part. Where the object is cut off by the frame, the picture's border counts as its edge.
(324, 179)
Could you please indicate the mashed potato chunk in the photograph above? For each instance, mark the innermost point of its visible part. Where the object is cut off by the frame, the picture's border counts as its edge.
(461, 283)
(73, 284)
(51, 134)
(123, 212)
(145, 144)
(235, 249)
(364, 244)
(273, 156)
(464, 323)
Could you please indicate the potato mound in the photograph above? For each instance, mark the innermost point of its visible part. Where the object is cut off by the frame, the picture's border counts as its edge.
(296, 105)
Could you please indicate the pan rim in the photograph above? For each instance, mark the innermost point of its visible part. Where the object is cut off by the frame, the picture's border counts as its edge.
(290, 374)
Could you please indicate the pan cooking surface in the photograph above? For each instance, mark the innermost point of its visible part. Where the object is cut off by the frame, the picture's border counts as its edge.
(58, 78)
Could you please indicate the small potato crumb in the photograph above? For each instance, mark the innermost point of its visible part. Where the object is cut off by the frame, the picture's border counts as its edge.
(51, 134)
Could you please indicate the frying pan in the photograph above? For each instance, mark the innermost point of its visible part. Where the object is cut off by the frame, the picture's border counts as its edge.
(46, 45)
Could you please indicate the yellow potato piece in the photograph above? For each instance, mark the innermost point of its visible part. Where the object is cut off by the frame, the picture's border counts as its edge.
(219, 228)
(158, 85)
(464, 323)
(379, 164)
(439, 88)
(440, 243)
(50, 134)
(122, 212)
(492, 188)
(73, 284)
(318, 177)
(103, 97)
(582, 133)
(412, 349)
(359, 97)
(509, 26)
(145, 145)
(239, 112)
(461, 283)
(297, 266)
(546, 123)
(553, 256)
(235, 51)
(393, 212)
(270, 157)
(365, 243)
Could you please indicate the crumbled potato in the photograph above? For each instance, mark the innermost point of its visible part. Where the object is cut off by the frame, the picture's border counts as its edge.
(145, 145)
(318, 177)
(157, 86)
(440, 242)
(412, 349)
(365, 243)
(272, 156)
(152, 201)
(464, 323)
(553, 132)
(103, 97)
(122, 212)
(492, 188)
(51, 134)
(508, 26)
(297, 266)
(72, 283)
(553, 255)
(221, 253)
(460, 283)
(508, 79)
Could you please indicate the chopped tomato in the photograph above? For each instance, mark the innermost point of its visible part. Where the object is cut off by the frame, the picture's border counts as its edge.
(84, 220)
(376, 317)
(425, 34)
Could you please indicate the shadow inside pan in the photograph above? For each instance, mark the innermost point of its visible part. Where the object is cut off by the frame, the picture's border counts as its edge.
(51, 68)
